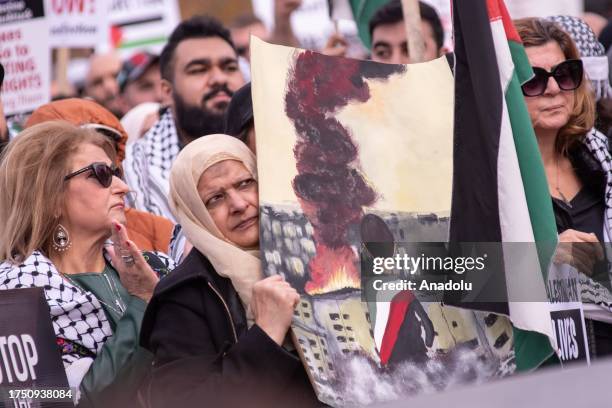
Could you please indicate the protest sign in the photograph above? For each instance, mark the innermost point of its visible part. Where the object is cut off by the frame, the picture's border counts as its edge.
(141, 24)
(77, 23)
(568, 324)
(323, 125)
(12, 11)
(31, 370)
(25, 54)
(563, 287)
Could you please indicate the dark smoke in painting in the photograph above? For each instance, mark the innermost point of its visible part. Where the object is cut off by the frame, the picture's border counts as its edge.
(326, 182)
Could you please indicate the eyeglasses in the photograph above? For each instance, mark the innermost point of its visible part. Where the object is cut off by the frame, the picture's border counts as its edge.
(568, 75)
(103, 173)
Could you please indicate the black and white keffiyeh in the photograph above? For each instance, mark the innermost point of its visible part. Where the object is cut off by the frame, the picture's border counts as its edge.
(597, 143)
(591, 291)
(592, 53)
(78, 319)
(147, 166)
(77, 316)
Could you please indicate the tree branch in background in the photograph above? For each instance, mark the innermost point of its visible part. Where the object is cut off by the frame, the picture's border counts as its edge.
(61, 71)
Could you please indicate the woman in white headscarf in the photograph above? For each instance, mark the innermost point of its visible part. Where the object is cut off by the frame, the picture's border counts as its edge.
(216, 326)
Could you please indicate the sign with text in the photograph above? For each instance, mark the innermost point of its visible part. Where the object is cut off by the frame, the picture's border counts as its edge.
(568, 324)
(12, 11)
(77, 23)
(31, 371)
(566, 312)
(24, 52)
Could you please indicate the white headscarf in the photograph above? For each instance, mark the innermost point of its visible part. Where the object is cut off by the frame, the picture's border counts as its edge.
(240, 265)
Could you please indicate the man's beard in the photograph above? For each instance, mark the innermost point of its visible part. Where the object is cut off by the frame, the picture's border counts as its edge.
(197, 121)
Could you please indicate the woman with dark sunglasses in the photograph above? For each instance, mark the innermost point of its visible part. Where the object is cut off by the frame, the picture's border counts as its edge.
(577, 162)
(64, 200)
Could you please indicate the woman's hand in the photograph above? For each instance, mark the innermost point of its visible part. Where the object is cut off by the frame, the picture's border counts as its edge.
(272, 304)
(135, 273)
(579, 249)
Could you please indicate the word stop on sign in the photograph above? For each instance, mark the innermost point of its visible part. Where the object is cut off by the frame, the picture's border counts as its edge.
(18, 357)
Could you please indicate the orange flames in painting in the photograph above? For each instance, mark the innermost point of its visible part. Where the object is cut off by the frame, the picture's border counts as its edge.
(332, 270)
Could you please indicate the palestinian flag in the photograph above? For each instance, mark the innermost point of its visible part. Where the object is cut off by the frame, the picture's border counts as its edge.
(500, 193)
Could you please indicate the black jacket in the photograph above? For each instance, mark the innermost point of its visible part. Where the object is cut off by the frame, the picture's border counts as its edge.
(591, 175)
(196, 327)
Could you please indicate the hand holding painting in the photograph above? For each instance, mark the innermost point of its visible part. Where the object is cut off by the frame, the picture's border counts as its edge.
(579, 249)
(272, 305)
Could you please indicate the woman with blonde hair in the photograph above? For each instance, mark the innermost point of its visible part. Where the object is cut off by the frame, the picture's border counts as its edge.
(577, 163)
(217, 328)
(63, 200)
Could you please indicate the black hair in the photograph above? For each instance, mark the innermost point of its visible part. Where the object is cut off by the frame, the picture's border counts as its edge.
(195, 27)
(239, 114)
(391, 13)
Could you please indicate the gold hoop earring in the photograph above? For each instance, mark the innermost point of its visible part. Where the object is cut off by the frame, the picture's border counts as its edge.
(61, 239)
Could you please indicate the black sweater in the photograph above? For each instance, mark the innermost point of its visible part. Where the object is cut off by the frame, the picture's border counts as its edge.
(196, 327)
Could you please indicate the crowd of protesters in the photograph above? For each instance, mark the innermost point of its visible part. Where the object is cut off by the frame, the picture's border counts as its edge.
(134, 204)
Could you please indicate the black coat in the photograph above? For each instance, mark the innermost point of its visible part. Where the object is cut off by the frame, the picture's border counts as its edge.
(196, 327)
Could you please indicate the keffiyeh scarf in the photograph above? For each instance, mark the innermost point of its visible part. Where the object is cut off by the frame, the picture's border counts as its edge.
(591, 51)
(591, 291)
(78, 317)
(147, 166)
(79, 321)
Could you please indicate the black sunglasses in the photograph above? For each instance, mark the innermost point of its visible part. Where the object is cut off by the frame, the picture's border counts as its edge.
(568, 75)
(103, 173)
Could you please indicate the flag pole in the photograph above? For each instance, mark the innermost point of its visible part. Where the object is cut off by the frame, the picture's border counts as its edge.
(412, 21)
(61, 70)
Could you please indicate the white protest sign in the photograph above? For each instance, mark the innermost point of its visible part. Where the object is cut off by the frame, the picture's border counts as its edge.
(77, 23)
(141, 25)
(25, 55)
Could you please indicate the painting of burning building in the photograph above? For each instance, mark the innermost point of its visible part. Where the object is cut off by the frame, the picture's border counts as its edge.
(349, 152)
